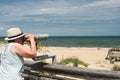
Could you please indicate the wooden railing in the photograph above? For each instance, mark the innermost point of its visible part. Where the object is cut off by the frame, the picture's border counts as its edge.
(42, 71)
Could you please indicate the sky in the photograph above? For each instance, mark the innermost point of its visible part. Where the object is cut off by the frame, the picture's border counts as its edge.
(61, 17)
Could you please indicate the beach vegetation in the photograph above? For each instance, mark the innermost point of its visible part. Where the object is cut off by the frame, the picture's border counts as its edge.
(76, 62)
(43, 61)
(3, 41)
(112, 61)
(116, 68)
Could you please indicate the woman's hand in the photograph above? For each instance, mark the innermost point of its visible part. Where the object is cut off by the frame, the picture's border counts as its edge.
(30, 37)
(23, 51)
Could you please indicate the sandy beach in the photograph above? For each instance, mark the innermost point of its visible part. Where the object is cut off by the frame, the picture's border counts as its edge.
(94, 56)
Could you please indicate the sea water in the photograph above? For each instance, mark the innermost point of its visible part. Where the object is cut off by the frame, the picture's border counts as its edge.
(81, 41)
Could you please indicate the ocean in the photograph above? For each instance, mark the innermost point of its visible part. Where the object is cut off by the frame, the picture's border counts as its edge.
(81, 41)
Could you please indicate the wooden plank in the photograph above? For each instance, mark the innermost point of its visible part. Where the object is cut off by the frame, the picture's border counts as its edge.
(115, 56)
(74, 71)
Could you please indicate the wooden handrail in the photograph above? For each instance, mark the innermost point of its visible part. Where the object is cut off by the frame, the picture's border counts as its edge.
(77, 72)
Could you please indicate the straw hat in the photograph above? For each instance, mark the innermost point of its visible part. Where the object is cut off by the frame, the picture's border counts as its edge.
(14, 33)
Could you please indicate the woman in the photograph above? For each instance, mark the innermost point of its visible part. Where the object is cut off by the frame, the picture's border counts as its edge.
(13, 53)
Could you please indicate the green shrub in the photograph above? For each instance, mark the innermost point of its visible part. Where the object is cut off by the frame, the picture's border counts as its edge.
(116, 68)
(75, 62)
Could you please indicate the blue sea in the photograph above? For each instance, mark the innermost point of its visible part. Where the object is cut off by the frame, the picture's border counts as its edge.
(81, 41)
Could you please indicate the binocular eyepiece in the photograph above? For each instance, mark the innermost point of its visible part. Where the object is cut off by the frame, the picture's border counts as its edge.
(38, 37)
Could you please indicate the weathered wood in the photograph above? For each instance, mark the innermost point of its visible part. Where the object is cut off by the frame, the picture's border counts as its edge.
(113, 54)
(36, 76)
(74, 71)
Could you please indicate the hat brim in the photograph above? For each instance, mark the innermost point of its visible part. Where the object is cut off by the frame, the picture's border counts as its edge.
(7, 39)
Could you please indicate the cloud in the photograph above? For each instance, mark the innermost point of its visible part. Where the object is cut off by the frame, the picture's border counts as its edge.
(104, 3)
(98, 10)
(1, 28)
(95, 9)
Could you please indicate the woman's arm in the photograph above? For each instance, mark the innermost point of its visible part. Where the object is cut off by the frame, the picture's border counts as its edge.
(24, 51)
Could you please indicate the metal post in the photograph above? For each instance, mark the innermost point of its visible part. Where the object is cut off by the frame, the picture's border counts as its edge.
(54, 59)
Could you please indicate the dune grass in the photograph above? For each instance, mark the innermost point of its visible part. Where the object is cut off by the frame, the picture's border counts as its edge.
(116, 68)
(76, 62)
